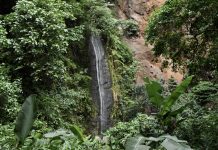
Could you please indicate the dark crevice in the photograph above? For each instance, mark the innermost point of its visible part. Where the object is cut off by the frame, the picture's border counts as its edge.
(6, 6)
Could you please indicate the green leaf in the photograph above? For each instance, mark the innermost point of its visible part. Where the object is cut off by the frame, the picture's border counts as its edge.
(77, 132)
(174, 138)
(57, 133)
(171, 144)
(155, 139)
(170, 100)
(178, 111)
(136, 143)
(154, 90)
(25, 119)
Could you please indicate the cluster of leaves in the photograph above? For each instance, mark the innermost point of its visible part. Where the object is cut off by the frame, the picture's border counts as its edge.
(9, 96)
(200, 118)
(35, 41)
(185, 31)
(130, 28)
(166, 114)
(139, 103)
(168, 142)
(123, 68)
(44, 46)
(43, 137)
(41, 46)
(182, 31)
(100, 18)
(69, 105)
(7, 140)
(64, 139)
(142, 124)
(38, 39)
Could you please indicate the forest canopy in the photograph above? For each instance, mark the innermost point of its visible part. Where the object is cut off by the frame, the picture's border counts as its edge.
(186, 32)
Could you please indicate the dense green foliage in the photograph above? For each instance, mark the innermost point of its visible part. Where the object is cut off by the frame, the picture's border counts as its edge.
(200, 118)
(44, 51)
(166, 141)
(130, 28)
(196, 122)
(9, 96)
(37, 42)
(186, 32)
(43, 137)
(166, 115)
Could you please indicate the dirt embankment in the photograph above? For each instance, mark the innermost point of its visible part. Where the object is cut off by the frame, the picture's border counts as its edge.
(140, 10)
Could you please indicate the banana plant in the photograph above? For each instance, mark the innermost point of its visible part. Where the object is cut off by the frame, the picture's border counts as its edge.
(167, 141)
(166, 115)
(25, 119)
(136, 143)
(77, 132)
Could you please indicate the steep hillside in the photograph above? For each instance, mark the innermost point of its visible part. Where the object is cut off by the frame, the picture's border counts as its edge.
(140, 11)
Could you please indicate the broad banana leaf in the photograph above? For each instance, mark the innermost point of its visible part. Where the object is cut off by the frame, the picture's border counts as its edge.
(136, 143)
(77, 132)
(170, 100)
(25, 119)
(171, 144)
(154, 90)
(58, 133)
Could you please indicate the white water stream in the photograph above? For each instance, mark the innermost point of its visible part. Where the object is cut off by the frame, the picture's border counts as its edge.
(99, 60)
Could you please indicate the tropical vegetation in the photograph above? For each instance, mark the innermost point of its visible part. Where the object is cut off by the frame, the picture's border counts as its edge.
(45, 97)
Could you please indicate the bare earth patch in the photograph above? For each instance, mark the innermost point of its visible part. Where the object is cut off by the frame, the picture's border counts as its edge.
(140, 10)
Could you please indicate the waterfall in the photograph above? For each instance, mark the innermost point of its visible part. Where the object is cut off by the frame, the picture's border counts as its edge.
(101, 82)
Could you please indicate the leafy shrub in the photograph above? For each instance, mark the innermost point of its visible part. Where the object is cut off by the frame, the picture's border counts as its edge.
(39, 39)
(123, 68)
(7, 140)
(123, 130)
(9, 95)
(139, 103)
(200, 118)
(200, 130)
(62, 139)
(130, 28)
(3, 40)
(167, 116)
(65, 106)
(43, 137)
(99, 17)
(205, 93)
(168, 142)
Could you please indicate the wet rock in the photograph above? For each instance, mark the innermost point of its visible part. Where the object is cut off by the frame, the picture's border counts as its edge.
(101, 83)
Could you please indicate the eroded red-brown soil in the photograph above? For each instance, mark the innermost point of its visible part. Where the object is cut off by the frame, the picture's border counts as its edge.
(140, 10)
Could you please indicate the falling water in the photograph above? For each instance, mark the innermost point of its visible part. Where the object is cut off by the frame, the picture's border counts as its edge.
(101, 91)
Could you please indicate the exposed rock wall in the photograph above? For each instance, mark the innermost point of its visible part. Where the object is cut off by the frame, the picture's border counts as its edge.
(101, 83)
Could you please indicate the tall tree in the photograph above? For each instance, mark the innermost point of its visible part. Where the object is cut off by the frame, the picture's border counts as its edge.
(186, 31)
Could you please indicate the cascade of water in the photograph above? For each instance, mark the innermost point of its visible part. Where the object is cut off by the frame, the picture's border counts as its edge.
(103, 93)
(98, 58)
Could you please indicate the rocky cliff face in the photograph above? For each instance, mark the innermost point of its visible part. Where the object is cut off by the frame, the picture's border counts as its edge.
(101, 83)
(140, 10)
